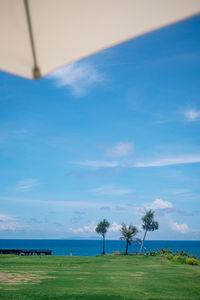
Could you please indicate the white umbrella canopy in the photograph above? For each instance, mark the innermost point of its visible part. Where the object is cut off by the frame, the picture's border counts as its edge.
(37, 36)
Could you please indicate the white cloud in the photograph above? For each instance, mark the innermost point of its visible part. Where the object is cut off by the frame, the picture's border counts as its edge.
(115, 227)
(98, 164)
(90, 229)
(7, 222)
(78, 76)
(12, 226)
(139, 227)
(27, 185)
(111, 190)
(54, 204)
(160, 162)
(120, 149)
(4, 218)
(192, 115)
(182, 228)
(180, 191)
(159, 204)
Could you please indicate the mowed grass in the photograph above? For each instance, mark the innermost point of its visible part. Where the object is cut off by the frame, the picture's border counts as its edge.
(107, 277)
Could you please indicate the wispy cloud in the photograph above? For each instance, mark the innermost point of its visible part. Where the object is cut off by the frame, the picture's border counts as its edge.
(105, 208)
(55, 204)
(91, 228)
(4, 218)
(180, 191)
(78, 77)
(39, 221)
(75, 220)
(13, 135)
(95, 172)
(119, 208)
(111, 190)
(99, 164)
(120, 149)
(177, 160)
(12, 226)
(27, 185)
(7, 222)
(159, 162)
(79, 213)
(192, 115)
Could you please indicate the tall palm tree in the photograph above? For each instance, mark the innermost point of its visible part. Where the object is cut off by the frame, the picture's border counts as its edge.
(128, 235)
(148, 224)
(102, 228)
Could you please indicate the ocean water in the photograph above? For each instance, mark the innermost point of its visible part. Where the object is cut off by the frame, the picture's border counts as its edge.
(94, 247)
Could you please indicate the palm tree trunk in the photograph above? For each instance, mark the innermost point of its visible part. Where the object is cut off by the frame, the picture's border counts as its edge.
(126, 247)
(103, 252)
(140, 251)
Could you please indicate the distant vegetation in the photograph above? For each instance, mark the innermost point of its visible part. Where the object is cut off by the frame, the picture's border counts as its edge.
(182, 256)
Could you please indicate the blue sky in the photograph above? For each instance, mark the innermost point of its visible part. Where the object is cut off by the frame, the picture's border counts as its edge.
(109, 137)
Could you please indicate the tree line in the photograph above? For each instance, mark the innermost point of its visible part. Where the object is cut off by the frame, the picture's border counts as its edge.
(129, 232)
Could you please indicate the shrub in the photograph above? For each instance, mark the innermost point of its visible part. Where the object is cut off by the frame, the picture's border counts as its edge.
(153, 253)
(192, 261)
(177, 256)
(169, 256)
(179, 259)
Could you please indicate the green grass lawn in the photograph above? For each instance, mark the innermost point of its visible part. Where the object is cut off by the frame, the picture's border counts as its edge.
(108, 277)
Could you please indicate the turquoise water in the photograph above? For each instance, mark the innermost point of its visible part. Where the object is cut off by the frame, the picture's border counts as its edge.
(94, 247)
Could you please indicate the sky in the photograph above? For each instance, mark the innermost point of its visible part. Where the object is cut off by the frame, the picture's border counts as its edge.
(110, 136)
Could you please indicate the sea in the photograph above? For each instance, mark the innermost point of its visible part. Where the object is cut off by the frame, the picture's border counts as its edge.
(94, 247)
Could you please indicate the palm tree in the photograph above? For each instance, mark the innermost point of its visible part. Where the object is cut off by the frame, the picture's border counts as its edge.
(128, 235)
(102, 228)
(148, 225)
